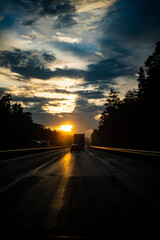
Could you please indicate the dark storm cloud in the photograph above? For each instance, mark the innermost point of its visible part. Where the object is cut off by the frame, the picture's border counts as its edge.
(91, 94)
(107, 69)
(82, 105)
(31, 99)
(88, 94)
(18, 57)
(36, 99)
(73, 48)
(29, 71)
(133, 21)
(30, 22)
(80, 50)
(63, 10)
(130, 30)
(29, 4)
(36, 104)
(48, 57)
(27, 63)
(68, 72)
(56, 7)
(34, 64)
(62, 91)
(64, 20)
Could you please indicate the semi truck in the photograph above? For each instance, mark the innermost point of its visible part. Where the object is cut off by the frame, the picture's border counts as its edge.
(80, 140)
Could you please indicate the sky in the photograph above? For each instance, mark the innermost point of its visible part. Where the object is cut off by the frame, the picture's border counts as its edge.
(59, 58)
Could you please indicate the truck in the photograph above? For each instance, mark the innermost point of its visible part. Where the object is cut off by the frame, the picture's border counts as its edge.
(80, 140)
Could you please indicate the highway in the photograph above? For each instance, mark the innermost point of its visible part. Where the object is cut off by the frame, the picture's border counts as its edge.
(92, 194)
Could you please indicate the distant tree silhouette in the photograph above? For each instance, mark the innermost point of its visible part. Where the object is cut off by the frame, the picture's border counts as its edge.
(142, 82)
(17, 128)
(135, 120)
(111, 106)
(5, 118)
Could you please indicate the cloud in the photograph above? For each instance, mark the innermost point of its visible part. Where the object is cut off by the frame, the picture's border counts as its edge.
(62, 37)
(35, 64)
(68, 72)
(84, 94)
(30, 22)
(24, 57)
(98, 44)
(124, 84)
(84, 111)
(2, 91)
(1, 18)
(82, 50)
(82, 105)
(88, 94)
(129, 32)
(27, 63)
(55, 7)
(83, 115)
(135, 22)
(97, 117)
(106, 70)
(87, 5)
(34, 35)
(62, 11)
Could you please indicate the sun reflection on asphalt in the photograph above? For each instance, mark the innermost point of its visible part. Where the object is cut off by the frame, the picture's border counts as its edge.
(59, 197)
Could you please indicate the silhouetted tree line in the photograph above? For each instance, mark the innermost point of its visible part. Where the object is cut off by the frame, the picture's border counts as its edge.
(134, 121)
(17, 129)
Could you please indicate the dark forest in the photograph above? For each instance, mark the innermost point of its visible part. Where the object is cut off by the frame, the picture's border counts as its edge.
(18, 130)
(134, 122)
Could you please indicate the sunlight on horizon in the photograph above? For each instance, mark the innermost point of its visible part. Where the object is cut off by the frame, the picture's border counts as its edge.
(66, 128)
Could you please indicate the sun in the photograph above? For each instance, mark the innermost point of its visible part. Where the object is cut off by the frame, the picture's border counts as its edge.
(66, 128)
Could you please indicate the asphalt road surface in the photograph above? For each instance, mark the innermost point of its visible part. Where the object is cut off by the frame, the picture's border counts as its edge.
(91, 194)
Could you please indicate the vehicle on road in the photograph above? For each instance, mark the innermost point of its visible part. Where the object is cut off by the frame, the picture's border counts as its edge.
(75, 147)
(80, 140)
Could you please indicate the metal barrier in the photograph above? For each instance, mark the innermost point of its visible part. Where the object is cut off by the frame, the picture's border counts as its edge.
(6, 154)
(129, 151)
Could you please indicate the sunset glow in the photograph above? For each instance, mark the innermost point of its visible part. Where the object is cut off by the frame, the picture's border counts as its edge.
(59, 58)
(66, 128)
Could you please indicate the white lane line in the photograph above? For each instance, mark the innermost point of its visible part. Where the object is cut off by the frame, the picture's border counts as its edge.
(130, 183)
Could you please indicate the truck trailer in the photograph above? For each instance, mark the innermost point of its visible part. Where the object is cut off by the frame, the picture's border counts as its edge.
(80, 140)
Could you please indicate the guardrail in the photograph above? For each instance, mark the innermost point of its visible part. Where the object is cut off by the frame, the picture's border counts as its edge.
(6, 154)
(130, 151)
